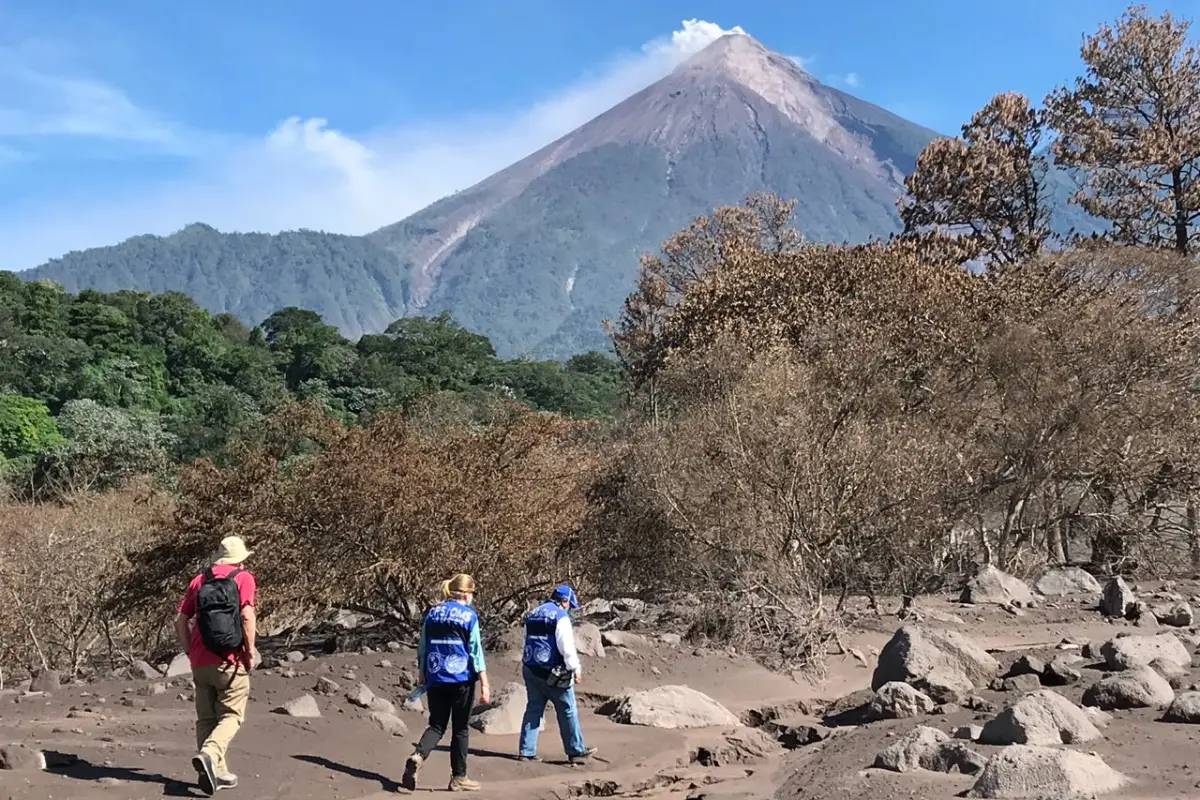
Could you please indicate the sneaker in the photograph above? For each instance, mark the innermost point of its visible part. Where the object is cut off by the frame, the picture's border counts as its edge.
(204, 771)
(463, 785)
(227, 781)
(529, 758)
(411, 767)
(582, 756)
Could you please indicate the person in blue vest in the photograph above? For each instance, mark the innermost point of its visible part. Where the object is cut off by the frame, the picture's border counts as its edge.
(551, 669)
(450, 660)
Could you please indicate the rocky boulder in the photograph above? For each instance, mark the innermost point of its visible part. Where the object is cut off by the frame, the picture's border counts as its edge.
(1137, 688)
(668, 707)
(302, 707)
(389, 723)
(741, 746)
(944, 664)
(1026, 665)
(180, 665)
(1175, 674)
(1023, 771)
(1130, 652)
(1061, 671)
(1071, 580)
(1176, 615)
(1041, 718)
(898, 700)
(19, 757)
(990, 585)
(502, 716)
(48, 680)
(589, 641)
(929, 749)
(1185, 708)
(631, 641)
(1118, 599)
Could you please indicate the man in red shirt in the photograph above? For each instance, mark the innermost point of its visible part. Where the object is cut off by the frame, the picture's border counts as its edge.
(215, 626)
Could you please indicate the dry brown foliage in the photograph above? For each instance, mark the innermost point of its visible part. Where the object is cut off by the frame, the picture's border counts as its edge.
(60, 566)
(762, 224)
(861, 418)
(379, 514)
(1133, 122)
(981, 196)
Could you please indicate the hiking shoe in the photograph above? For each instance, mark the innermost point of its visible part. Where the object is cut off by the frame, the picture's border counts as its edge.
(204, 771)
(463, 785)
(227, 781)
(529, 758)
(580, 757)
(411, 767)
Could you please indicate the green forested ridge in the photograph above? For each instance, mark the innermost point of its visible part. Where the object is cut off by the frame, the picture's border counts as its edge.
(95, 384)
(353, 282)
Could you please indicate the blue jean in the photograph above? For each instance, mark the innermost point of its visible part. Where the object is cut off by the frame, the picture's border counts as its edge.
(564, 707)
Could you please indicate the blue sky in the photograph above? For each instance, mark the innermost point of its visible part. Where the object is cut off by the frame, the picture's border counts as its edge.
(138, 116)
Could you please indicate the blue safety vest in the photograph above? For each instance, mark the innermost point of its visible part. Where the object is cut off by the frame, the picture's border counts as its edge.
(541, 647)
(448, 629)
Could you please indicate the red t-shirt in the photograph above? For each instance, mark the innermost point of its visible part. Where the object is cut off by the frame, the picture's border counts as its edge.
(198, 654)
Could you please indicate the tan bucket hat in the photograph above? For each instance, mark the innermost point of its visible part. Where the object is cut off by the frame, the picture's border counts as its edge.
(233, 551)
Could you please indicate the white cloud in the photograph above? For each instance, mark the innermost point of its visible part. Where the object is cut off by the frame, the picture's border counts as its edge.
(848, 79)
(39, 99)
(308, 174)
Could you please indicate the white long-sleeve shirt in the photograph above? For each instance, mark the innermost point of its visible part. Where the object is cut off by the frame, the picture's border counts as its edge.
(564, 637)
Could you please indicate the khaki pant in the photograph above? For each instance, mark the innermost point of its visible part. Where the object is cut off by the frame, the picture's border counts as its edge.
(221, 696)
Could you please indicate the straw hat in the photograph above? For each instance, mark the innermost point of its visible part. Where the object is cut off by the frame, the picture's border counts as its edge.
(233, 551)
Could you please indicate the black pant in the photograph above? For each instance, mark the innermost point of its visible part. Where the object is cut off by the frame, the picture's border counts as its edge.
(449, 703)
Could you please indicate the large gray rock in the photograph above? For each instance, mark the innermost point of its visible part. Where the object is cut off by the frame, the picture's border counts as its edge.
(1130, 652)
(1175, 674)
(991, 585)
(632, 641)
(929, 749)
(898, 700)
(941, 663)
(1071, 580)
(1136, 688)
(48, 680)
(1023, 771)
(303, 707)
(389, 723)
(19, 757)
(1185, 709)
(1176, 615)
(589, 640)
(1118, 599)
(1041, 718)
(143, 670)
(502, 716)
(361, 696)
(668, 707)
(1061, 671)
(180, 665)
(740, 746)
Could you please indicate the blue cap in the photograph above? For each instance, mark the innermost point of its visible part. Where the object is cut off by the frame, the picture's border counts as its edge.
(564, 592)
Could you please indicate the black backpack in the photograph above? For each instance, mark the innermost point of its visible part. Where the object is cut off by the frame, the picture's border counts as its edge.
(219, 613)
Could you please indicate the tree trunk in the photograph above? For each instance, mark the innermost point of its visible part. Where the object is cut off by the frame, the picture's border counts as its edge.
(1193, 537)
(1181, 211)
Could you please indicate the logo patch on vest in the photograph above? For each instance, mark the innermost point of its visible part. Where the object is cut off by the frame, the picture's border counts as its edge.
(542, 654)
(433, 663)
(456, 664)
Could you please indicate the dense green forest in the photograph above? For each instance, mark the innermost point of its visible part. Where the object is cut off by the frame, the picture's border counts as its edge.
(96, 384)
